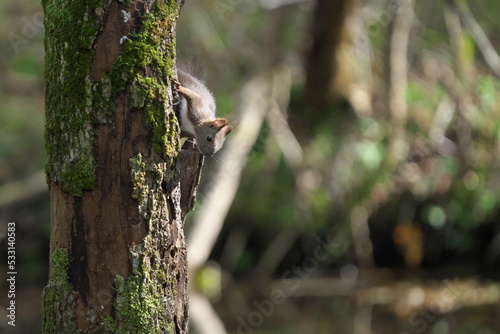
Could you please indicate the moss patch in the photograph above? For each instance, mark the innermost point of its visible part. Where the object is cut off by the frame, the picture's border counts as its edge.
(140, 190)
(141, 305)
(59, 297)
(70, 33)
(152, 50)
(60, 266)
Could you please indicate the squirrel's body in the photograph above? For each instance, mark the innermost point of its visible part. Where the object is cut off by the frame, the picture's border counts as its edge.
(196, 111)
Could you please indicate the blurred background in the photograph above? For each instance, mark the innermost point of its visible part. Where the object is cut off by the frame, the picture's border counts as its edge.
(359, 192)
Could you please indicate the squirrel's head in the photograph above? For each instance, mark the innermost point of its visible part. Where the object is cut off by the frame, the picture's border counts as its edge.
(211, 136)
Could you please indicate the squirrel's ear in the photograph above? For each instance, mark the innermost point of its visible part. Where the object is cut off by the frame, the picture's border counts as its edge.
(228, 129)
(219, 123)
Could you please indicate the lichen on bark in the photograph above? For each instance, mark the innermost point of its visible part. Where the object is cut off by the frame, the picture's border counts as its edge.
(147, 300)
(141, 305)
(70, 33)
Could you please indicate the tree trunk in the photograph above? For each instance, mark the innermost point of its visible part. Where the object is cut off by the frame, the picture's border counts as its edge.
(322, 64)
(120, 186)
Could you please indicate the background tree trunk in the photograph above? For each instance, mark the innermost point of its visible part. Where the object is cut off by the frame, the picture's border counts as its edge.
(119, 186)
(322, 65)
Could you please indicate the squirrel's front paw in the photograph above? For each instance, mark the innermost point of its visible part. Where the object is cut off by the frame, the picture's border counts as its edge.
(176, 84)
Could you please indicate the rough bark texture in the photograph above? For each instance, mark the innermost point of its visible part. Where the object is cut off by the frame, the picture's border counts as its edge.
(120, 186)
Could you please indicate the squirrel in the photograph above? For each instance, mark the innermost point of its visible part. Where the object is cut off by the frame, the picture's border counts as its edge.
(196, 111)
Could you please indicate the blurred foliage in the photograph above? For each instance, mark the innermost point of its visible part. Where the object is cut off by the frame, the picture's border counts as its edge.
(22, 153)
(21, 90)
(446, 185)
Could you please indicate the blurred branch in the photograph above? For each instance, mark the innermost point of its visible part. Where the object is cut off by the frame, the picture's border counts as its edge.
(258, 97)
(405, 297)
(276, 251)
(292, 151)
(255, 104)
(490, 55)
(452, 20)
(209, 220)
(440, 124)
(359, 92)
(28, 187)
(361, 234)
(463, 109)
(398, 80)
(276, 117)
(204, 318)
(363, 319)
(263, 94)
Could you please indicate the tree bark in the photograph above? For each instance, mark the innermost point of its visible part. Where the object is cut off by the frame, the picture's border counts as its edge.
(120, 186)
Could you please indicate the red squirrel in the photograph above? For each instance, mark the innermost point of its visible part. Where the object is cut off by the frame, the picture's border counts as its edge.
(196, 111)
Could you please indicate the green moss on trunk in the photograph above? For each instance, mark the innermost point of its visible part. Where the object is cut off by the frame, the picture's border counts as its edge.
(140, 305)
(70, 33)
(75, 104)
(152, 48)
(59, 297)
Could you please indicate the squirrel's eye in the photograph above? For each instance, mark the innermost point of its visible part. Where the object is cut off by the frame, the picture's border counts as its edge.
(209, 138)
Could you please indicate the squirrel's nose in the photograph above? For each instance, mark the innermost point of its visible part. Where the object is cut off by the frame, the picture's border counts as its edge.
(207, 152)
